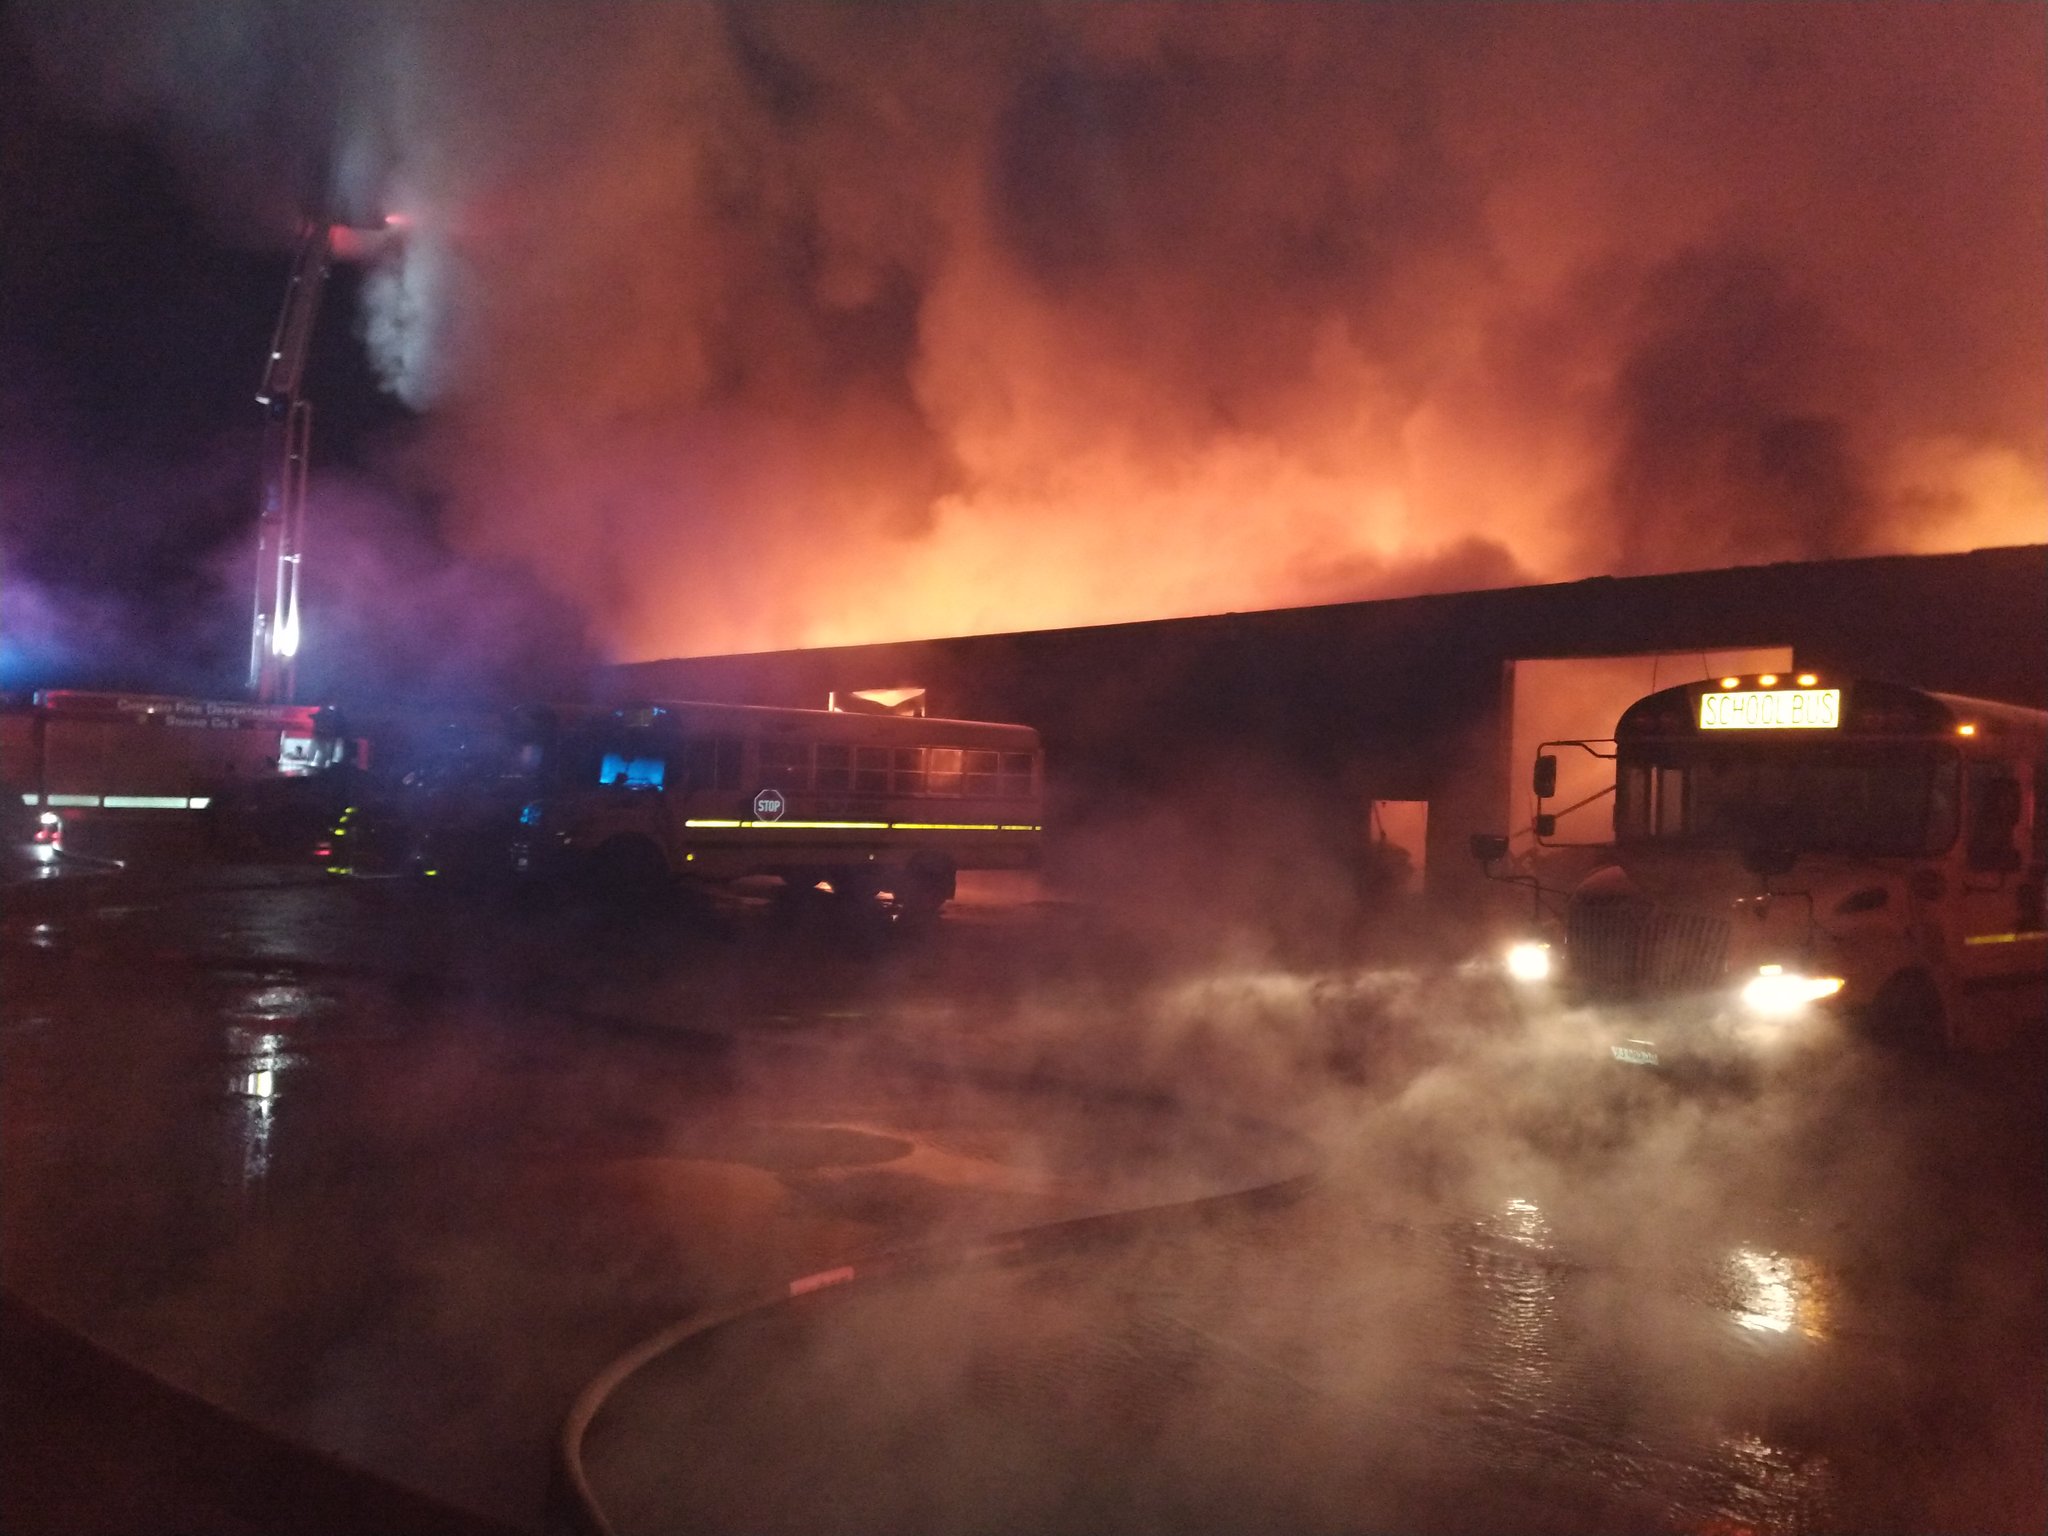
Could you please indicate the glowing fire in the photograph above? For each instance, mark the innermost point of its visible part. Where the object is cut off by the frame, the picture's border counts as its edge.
(769, 326)
(1063, 351)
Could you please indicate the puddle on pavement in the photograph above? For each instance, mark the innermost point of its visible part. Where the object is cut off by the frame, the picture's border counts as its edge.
(259, 1069)
(280, 1002)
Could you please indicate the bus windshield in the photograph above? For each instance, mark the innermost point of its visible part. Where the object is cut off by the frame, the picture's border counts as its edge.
(1871, 798)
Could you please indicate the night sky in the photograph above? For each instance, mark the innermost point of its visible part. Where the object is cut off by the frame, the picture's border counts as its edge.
(726, 328)
(131, 340)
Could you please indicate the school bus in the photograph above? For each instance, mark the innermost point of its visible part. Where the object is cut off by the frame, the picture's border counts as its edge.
(863, 805)
(1790, 849)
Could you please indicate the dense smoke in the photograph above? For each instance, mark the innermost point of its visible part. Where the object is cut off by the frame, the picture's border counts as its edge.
(762, 326)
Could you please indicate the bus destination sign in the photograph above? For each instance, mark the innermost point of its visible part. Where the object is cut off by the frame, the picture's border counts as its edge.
(1771, 709)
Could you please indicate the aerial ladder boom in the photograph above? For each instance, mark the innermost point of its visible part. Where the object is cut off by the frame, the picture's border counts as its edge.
(287, 439)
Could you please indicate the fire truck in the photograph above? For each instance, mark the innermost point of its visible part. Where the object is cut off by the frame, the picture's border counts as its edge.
(116, 766)
(1791, 852)
(449, 793)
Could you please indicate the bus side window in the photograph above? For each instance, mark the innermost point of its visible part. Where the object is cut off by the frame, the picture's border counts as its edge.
(577, 763)
(621, 771)
(871, 770)
(1016, 775)
(942, 770)
(982, 773)
(786, 764)
(835, 769)
(1994, 817)
(699, 766)
(909, 770)
(1670, 802)
(1632, 801)
(712, 762)
(1944, 803)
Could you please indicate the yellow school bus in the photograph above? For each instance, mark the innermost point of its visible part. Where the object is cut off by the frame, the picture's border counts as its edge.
(1798, 848)
(864, 805)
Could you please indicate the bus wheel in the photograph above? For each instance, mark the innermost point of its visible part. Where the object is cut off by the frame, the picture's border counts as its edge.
(855, 887)
(922, 889)
(1907, 1015)
(630, 867)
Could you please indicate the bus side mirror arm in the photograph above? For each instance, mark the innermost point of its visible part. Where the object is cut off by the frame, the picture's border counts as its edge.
(1543, 779)
(1489, 848)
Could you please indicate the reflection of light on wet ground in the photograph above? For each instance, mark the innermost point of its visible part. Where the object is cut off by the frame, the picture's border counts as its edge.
(256, 1083)
(258, 1124)
(1520, 1221)
(283, 1002)
(1784, 1488)
(1518, 1287)
(1778, 1293)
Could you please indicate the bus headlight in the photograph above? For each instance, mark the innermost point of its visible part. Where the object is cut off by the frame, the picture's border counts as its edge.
(1778, 993)
(1529, 961)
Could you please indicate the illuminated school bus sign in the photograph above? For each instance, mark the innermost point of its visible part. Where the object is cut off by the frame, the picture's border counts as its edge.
(1771, 709)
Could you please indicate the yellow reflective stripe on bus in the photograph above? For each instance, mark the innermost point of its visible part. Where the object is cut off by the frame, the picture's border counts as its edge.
(817, 826)
(2006, 938)
(794, 826)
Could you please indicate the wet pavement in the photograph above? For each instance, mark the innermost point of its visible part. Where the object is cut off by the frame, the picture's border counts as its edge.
(396, 1173)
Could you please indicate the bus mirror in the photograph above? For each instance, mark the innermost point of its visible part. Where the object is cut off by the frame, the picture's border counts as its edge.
(1489, 846)
(1546, 825)
(1546, 776)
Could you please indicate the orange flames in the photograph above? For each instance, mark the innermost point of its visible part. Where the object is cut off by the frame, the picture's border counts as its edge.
(803, 324)
(968, 328)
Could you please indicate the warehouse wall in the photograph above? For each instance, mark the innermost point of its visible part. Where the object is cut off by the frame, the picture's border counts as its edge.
(1405, 699)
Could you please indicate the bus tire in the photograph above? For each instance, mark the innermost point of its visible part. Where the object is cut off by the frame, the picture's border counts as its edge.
(924, 886)
(855, 886)
(1907, 1016)
(629, 867)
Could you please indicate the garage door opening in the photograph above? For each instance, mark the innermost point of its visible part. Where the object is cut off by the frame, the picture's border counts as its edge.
(1397, 845)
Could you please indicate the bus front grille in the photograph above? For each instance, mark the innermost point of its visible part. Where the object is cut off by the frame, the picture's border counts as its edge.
(1620, 947)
